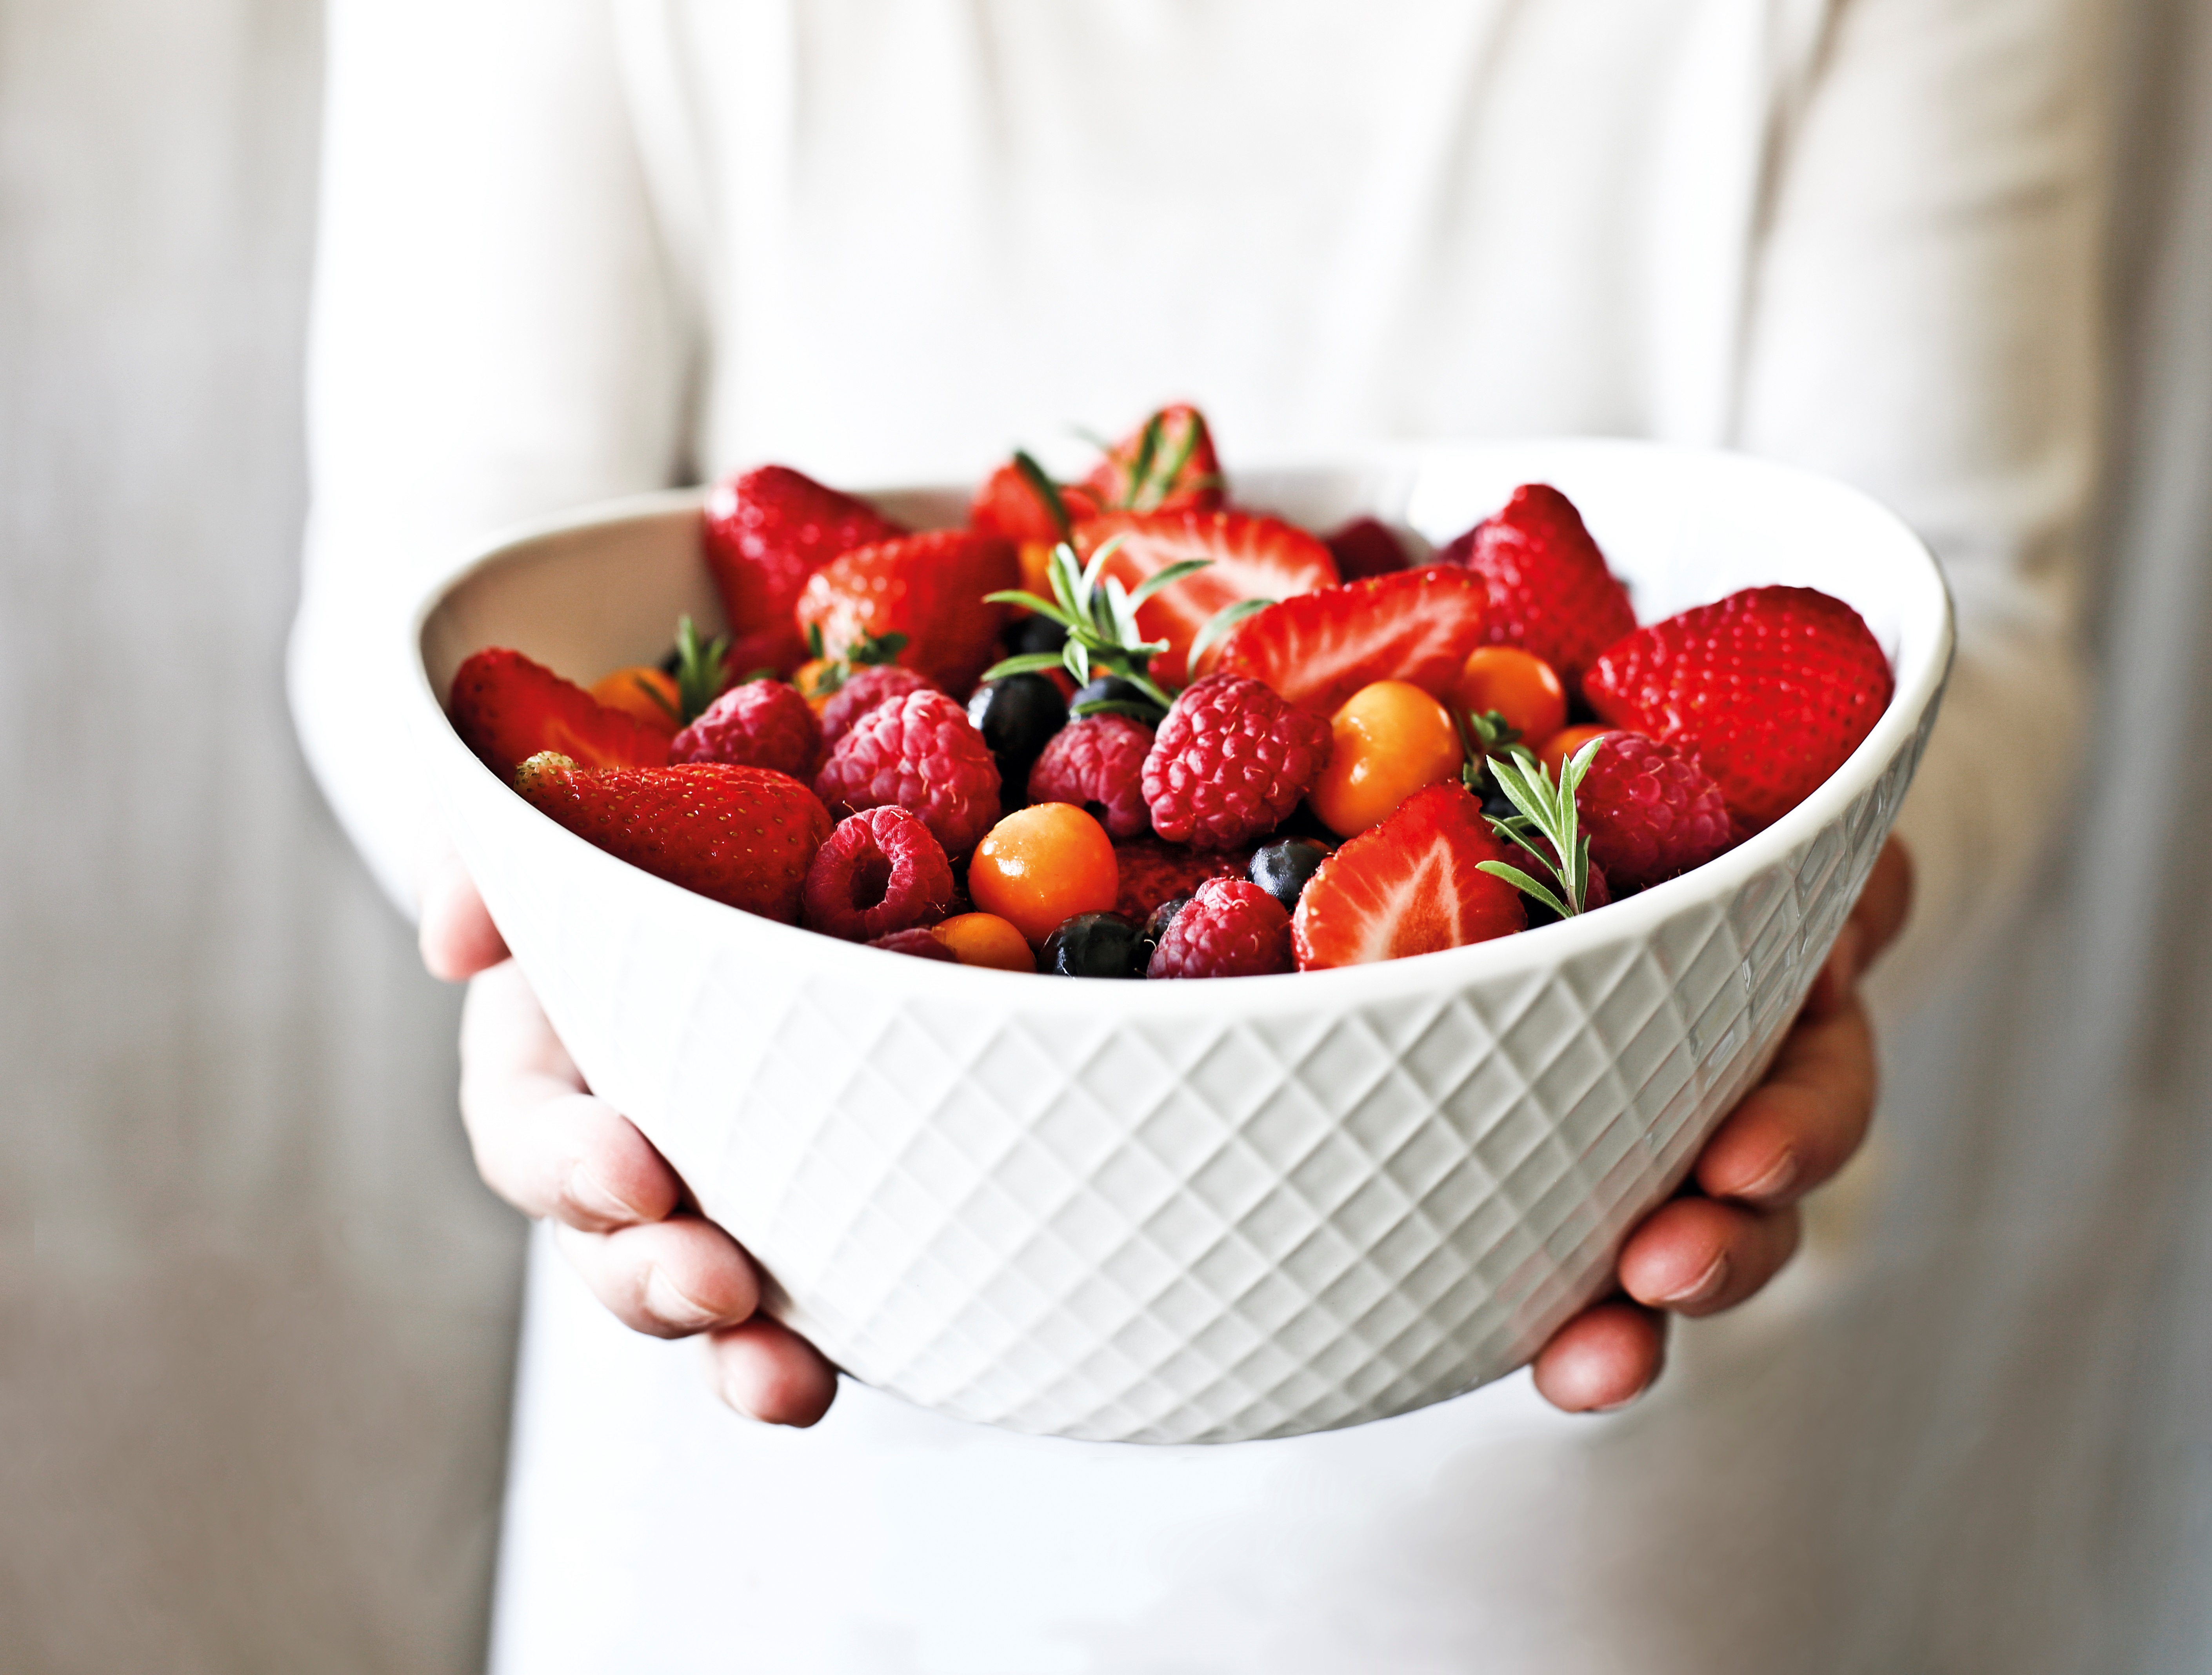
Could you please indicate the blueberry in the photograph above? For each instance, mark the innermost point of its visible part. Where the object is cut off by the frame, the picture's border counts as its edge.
(1111, 688)
(1495, 803)
(1156, 926)
(1036, 634)
(1015, 716)
(1095, 945)
(1282, 868)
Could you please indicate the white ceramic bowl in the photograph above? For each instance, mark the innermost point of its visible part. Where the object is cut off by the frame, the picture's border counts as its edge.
(1194, 1212)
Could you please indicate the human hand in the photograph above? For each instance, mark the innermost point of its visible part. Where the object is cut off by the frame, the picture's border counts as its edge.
(549, 1148)
(1736, 1222)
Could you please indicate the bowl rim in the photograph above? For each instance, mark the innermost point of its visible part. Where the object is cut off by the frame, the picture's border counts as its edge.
(1544, 947)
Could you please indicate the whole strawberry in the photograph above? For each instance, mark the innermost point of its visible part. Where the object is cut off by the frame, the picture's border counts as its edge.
(506, 709)
(930, 588)
(1651, 811)
(1230, 761)
(1550, 591)
(1152, 872)
(1020, 502)
(923, 754)
(1167, 464)
(1772, 688)
(765, 532)
(862, 691)
(759, 724)
(1231, 928)
(744, 836)
(879, 873)
(1099, 765)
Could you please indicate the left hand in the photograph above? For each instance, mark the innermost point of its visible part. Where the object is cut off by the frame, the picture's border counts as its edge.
(1736, 1222)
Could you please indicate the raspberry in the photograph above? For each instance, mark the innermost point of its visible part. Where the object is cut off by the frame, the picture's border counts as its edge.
(880, 872)
(922, 753)
(1231, 927)
(1230, 761)
(761, 724)
(1650, 810)
(863, 688)
(921, 944)
(1099, 765)
(1153, 872)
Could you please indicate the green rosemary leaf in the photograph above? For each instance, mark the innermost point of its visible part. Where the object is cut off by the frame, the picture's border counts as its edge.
(1168, 577)
(1045, 489)
(1526, 884)
(1218, 625)
(1149, 714)
(1028, 662)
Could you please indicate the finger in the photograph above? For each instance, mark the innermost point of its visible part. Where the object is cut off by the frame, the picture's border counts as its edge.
(1875, 918)
(1604, 1358)
(542, 1143)
(670, 1279)
(1694, 1257)
(456, 935)
(1803, 1122)
(768, 1372)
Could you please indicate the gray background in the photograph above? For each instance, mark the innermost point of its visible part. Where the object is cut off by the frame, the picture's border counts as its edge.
(256, 1315)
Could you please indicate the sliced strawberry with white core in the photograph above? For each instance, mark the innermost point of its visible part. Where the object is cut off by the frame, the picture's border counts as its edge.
(1411, 884)
(1319, 649)
(1248, 556)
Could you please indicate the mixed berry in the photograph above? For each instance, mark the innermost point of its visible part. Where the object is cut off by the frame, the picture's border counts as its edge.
(1120, 727)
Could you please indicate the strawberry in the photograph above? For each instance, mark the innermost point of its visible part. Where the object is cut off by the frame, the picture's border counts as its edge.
(1247, 556)
(1550, 591)
(1152, 872)
(744, 836)
(766, 532)
(1411, 884)
(929, 587)
(1365, 547)
(1318, 648)
(507, 709)
(1020, 502)
(1772, 687)
(1167, 464)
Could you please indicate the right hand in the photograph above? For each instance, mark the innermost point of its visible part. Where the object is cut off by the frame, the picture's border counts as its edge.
(548, 1146)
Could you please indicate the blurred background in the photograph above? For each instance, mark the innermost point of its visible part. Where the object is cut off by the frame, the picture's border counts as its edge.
(256, 1316)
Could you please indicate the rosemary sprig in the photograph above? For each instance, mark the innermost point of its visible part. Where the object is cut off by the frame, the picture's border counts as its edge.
(1100, 616)
(1546, 810)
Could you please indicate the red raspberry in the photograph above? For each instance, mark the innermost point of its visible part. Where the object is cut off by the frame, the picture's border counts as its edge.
(1099, 765)
(1233, 927)
(863, 688)
(922, 753)
(1153, 872)
(1650, 810)
(1230, 761)
(761, 724)
(879, 872)
(921, 944)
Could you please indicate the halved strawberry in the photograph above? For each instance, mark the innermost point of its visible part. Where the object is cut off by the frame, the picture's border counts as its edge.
(1550, 591)
(744, 836)
(766, 532)
(1411, 884)
(1772, 687)
(929, 587)
(1250, 556)
(1319, 649)
(506, 709)
(1167, 464)
(1010, 503)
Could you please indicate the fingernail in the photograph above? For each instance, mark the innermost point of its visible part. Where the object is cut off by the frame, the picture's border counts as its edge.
(585, 1190)
(1704, 1288)
(1780, 1177)
(669, 1304)
(735, 1403)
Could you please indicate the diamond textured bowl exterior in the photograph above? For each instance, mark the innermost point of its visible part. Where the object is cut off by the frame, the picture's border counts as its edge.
(1211, 1211)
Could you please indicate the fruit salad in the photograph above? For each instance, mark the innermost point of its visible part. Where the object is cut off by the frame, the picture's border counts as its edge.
(1123, 728)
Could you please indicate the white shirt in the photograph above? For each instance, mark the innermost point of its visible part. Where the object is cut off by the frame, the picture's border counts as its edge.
(573, 248)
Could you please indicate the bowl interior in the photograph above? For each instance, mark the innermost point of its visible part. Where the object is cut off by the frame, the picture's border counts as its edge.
(1680, 528)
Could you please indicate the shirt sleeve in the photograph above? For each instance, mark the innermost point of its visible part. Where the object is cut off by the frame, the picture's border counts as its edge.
(496, 334)
(1925, 323)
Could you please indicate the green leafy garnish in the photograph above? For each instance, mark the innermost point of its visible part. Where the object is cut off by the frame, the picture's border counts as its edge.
(1545, 811)
(1100, 617)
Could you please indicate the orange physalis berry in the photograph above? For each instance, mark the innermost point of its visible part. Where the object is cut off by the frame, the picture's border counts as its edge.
(1518, 684)
(1387, 741)
(645, 693)
(985, 939)
(1044, 864)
